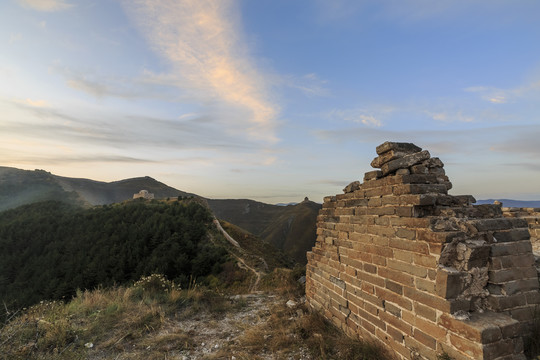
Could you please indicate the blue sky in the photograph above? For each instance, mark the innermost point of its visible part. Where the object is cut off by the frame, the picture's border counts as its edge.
(271, 100)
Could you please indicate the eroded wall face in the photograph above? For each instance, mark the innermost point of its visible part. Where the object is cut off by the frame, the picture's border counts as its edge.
(399, 260)
(532, 216)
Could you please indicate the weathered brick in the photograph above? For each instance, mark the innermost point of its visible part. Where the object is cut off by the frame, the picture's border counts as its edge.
(404, 162)
(503, 347)
(414, 246)
(406, 233)
(408, 148)
(403, 255)
(397, 276)
(396, 322)
(502, 276)
(407, 267)
(395, 333)
(438, 237)
(425, 285)
(370, 268)
(395, 287)
(425, 339)
(430, 327)
(506, 302)
(405, 189)
(425, 311)
(385, 294)
(428, 261)
(449, 283)
(427, 299)
(473, 349)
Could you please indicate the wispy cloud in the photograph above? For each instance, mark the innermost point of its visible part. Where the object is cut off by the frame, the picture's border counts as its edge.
(367, 117)
(309, 84)
(202, 42)
(500, 96)
(46, 5)
(13, 38)
(443, 116)
(37, 103)
(126, 131)
(466, 141)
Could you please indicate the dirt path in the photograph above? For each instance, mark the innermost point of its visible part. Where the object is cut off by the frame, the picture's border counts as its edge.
(227, 236)
(241, 261)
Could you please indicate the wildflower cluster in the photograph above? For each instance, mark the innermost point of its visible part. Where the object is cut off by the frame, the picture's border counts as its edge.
(156, 283)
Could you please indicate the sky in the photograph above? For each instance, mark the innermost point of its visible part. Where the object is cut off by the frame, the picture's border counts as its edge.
(271, 100)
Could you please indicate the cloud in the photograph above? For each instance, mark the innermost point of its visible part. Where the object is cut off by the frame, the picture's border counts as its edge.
(330, 182)
(500, 96)
(309, 84)
(359, 116)
(13, 38)
(46, 5)
(100, 86)
(450, 116)
(190, 132)
(54, 160)
(37, 103)
(204, 46)
(522, 140)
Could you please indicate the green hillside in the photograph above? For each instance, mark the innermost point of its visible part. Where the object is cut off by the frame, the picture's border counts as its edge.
(294, 230)
(19, 187)
(291, 228)
(49, 250)
(101, 193)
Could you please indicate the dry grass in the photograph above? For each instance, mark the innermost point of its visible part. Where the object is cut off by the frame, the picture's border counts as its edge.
(295, 333)
(110, 321)
(284, 282)
(143, 322)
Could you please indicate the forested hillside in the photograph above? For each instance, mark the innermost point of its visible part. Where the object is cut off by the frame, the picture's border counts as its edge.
(289, 228)
(50, 249)
(20, 187)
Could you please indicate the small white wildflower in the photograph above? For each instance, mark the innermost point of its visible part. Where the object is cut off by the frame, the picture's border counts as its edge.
(89, 345)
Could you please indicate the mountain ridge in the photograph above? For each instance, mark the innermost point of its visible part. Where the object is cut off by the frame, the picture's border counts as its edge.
(290, 228)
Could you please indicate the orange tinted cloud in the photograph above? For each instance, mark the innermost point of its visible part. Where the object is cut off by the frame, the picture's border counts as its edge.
(202, 42)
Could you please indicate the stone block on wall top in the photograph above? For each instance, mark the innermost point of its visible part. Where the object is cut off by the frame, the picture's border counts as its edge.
(397, 146)
(405, 162)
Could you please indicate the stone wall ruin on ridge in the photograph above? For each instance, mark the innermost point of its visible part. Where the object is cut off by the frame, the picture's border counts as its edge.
(399, 260)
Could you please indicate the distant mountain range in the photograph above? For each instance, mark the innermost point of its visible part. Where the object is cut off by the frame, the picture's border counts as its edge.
(511, 203)
(290, 228)
(20, 187)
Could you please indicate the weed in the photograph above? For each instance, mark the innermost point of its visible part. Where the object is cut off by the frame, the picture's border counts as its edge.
(284, 282)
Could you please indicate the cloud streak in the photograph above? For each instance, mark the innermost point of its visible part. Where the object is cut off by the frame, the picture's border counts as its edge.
(205, 49)
(500, 96)
(193, 132)
(519, 140)
(46, 5)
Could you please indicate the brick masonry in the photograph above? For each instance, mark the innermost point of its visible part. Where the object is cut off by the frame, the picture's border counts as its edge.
(399, 260)
(532, 216)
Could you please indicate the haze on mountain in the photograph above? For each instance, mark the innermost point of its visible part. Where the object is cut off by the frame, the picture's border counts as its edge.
(289, 228)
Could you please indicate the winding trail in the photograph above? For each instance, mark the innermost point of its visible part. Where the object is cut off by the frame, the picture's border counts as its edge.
(241, 261)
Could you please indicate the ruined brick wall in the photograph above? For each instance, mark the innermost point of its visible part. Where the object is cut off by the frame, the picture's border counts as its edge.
(399, 260)
(532, 216)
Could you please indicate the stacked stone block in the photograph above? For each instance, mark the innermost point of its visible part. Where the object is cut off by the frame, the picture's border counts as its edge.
(399, 260)
(532, 216)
